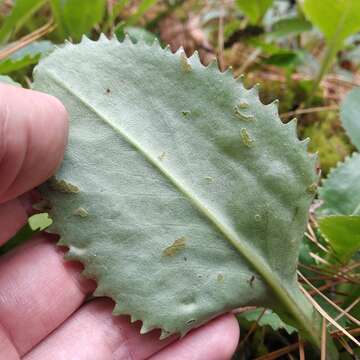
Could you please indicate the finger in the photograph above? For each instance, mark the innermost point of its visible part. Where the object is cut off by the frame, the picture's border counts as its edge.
(216, 340)
(38, 291)
(14, 214)
(33, 132)
(94, 333)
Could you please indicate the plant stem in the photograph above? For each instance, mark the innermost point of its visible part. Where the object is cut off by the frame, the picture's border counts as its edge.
(326, 62)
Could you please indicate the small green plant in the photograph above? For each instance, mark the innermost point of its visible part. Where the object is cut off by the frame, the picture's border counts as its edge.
(254, 10)
(337, 20)
(340, 213)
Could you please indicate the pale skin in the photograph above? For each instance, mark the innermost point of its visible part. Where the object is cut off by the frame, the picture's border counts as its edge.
(43, 314)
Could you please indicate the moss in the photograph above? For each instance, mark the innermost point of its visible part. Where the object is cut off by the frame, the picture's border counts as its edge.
(328, 139)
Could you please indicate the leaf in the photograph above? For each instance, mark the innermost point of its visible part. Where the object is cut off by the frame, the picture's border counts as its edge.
(269, 318)
(76, 18)
(343, 234)
(29, 55)
(136, 34)
(8, 80)
(337, 19)
(284, 59)
(8, 66)
(255, 9)
(340, 192)
(42, 47)
(162, 148)
(22, 10)
(289, 27)
(349, 112)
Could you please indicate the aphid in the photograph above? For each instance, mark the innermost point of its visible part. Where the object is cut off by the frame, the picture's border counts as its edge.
(162, 156)
(173, 249)
(247, 140)
(63, 186)
(251, 280)
(241, 115)
(81, 212)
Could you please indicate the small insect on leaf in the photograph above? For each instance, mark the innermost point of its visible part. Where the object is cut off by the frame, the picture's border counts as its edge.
(251, 281)
(185, 113)
(247, 140)
(81, 212)
(63, 186)
(162, 156)
(173, 249)
(241, 115)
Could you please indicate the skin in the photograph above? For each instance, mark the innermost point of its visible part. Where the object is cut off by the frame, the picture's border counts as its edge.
(42, 309)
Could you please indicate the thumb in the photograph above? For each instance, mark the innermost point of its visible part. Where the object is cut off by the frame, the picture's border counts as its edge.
(33, 133)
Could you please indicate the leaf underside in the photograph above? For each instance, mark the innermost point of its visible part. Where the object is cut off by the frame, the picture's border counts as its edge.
(181, 193)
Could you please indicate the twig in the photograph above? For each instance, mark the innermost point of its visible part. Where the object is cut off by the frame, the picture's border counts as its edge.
(327, 286)
(323, 340)
(301, 349)
(346, 346)
(328, 317)
(289, 348)
(309, 111)
(337, 333)
(252, 328)
(350, 317)
(26, 40)
(249, 60)
(276, 354)
(343, 312)
(341, 275)
(221, 42)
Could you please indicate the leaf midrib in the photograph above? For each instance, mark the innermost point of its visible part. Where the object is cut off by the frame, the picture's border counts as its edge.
(257, 261)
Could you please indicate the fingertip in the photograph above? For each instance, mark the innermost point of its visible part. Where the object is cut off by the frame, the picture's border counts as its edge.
(216, 340)
(230, 335)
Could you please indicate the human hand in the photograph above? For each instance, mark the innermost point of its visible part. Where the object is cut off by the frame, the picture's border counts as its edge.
(42, 310)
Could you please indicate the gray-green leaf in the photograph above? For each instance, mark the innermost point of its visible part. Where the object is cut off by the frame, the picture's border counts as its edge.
(340, 192)
(181, 193)
(350, 116)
